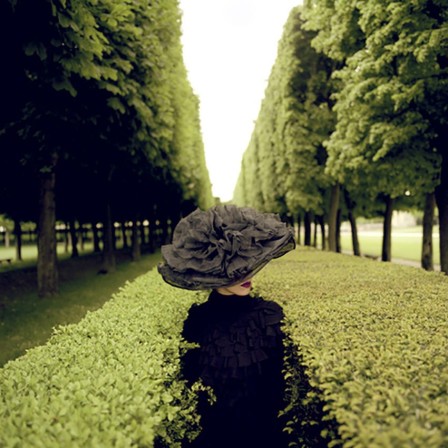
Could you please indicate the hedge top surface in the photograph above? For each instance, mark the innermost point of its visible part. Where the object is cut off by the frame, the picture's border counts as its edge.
(110, 380)
(374, 338)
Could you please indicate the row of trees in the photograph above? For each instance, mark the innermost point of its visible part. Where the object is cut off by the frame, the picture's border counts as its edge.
(98, 120)
(354, 118)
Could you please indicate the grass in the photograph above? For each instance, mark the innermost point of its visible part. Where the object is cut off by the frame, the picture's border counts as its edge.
(27, 321)
(406, 243)
(29, 255)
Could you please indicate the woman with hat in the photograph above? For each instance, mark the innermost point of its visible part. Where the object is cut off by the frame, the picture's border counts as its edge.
(239, 337)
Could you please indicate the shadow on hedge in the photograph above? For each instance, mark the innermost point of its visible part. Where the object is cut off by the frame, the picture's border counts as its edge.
(306, 422)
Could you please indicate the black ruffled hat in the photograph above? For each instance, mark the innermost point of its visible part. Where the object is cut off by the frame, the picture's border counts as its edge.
(223, 245)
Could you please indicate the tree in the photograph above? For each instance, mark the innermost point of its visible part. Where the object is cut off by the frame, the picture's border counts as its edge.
(100, 87)
(285, 160)
(391, 108)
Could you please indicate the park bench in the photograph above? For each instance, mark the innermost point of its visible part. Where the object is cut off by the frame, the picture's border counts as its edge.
(5, 260)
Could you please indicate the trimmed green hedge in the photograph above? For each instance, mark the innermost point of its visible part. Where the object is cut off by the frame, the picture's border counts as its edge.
(110, 380)
(366, 362)
(373, 338)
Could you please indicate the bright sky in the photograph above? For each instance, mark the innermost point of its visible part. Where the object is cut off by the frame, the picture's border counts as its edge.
(229, 49)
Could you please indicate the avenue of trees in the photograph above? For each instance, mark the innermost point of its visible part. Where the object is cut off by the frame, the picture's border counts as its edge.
(98, 122)
(355, 120)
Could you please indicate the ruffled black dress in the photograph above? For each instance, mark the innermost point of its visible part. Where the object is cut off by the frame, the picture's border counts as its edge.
(240, 356)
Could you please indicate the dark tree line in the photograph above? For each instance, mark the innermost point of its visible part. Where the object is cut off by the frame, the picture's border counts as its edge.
(98, 122)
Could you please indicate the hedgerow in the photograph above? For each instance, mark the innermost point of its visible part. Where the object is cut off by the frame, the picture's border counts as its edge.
(111, 380)
(372, 339)
(366, 362)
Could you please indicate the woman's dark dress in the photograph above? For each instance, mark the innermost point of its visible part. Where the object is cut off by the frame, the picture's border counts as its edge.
(240, 356)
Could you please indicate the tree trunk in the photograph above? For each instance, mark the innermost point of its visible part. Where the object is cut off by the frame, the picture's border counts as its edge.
(171, 226)
(165, 231)
(82, 235)
(299, 229)
(66, 237)
(442, 205)
(428, 222)
(352, 219)
(74, 238)
(333, 218)
(315, 233)
(47, 272)
(338, 231)
(136, 247)
(7, 239)
(321, 222)
(151, 236)
(142, 233)
(354, 231)
(108, 242)
(114, 237)
(96, 238)
(124, 235)
(386, 254)
(307, 226)
(18, 239)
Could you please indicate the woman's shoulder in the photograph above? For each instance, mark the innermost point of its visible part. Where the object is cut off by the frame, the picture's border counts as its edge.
(194, 323)
(198, 311)
(268, 305)
(272, 311)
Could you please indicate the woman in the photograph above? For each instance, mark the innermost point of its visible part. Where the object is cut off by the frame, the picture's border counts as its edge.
(239, 337)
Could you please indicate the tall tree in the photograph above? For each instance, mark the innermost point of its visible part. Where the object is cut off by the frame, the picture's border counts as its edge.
(307, 118)
(285, 160)
(99, 86)
(391, 108)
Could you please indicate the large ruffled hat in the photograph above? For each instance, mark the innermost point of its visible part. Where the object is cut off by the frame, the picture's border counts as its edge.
(222, 246)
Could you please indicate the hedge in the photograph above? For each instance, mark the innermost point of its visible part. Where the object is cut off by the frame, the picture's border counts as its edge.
(366, 362)
(111, 380)
(373, 342)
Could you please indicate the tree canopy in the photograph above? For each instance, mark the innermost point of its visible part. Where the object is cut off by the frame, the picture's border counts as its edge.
(98, 109)
(358, 98)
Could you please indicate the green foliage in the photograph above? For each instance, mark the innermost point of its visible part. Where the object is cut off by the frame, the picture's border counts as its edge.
(358, 98)
(189, 165)
(365, 362)
(336, 21)
(390, 107)
(26, 322)
(283, 167)
(373, 339)
(111, 380)
(6, 223)
(105, 88)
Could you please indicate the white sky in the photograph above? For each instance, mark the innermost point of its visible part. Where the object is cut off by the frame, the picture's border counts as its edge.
(229, 49)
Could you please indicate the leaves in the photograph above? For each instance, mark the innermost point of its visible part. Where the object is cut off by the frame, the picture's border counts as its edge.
(383, 107)
(105, 74)
(372, 337)
(114, 378)
(283, 167)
